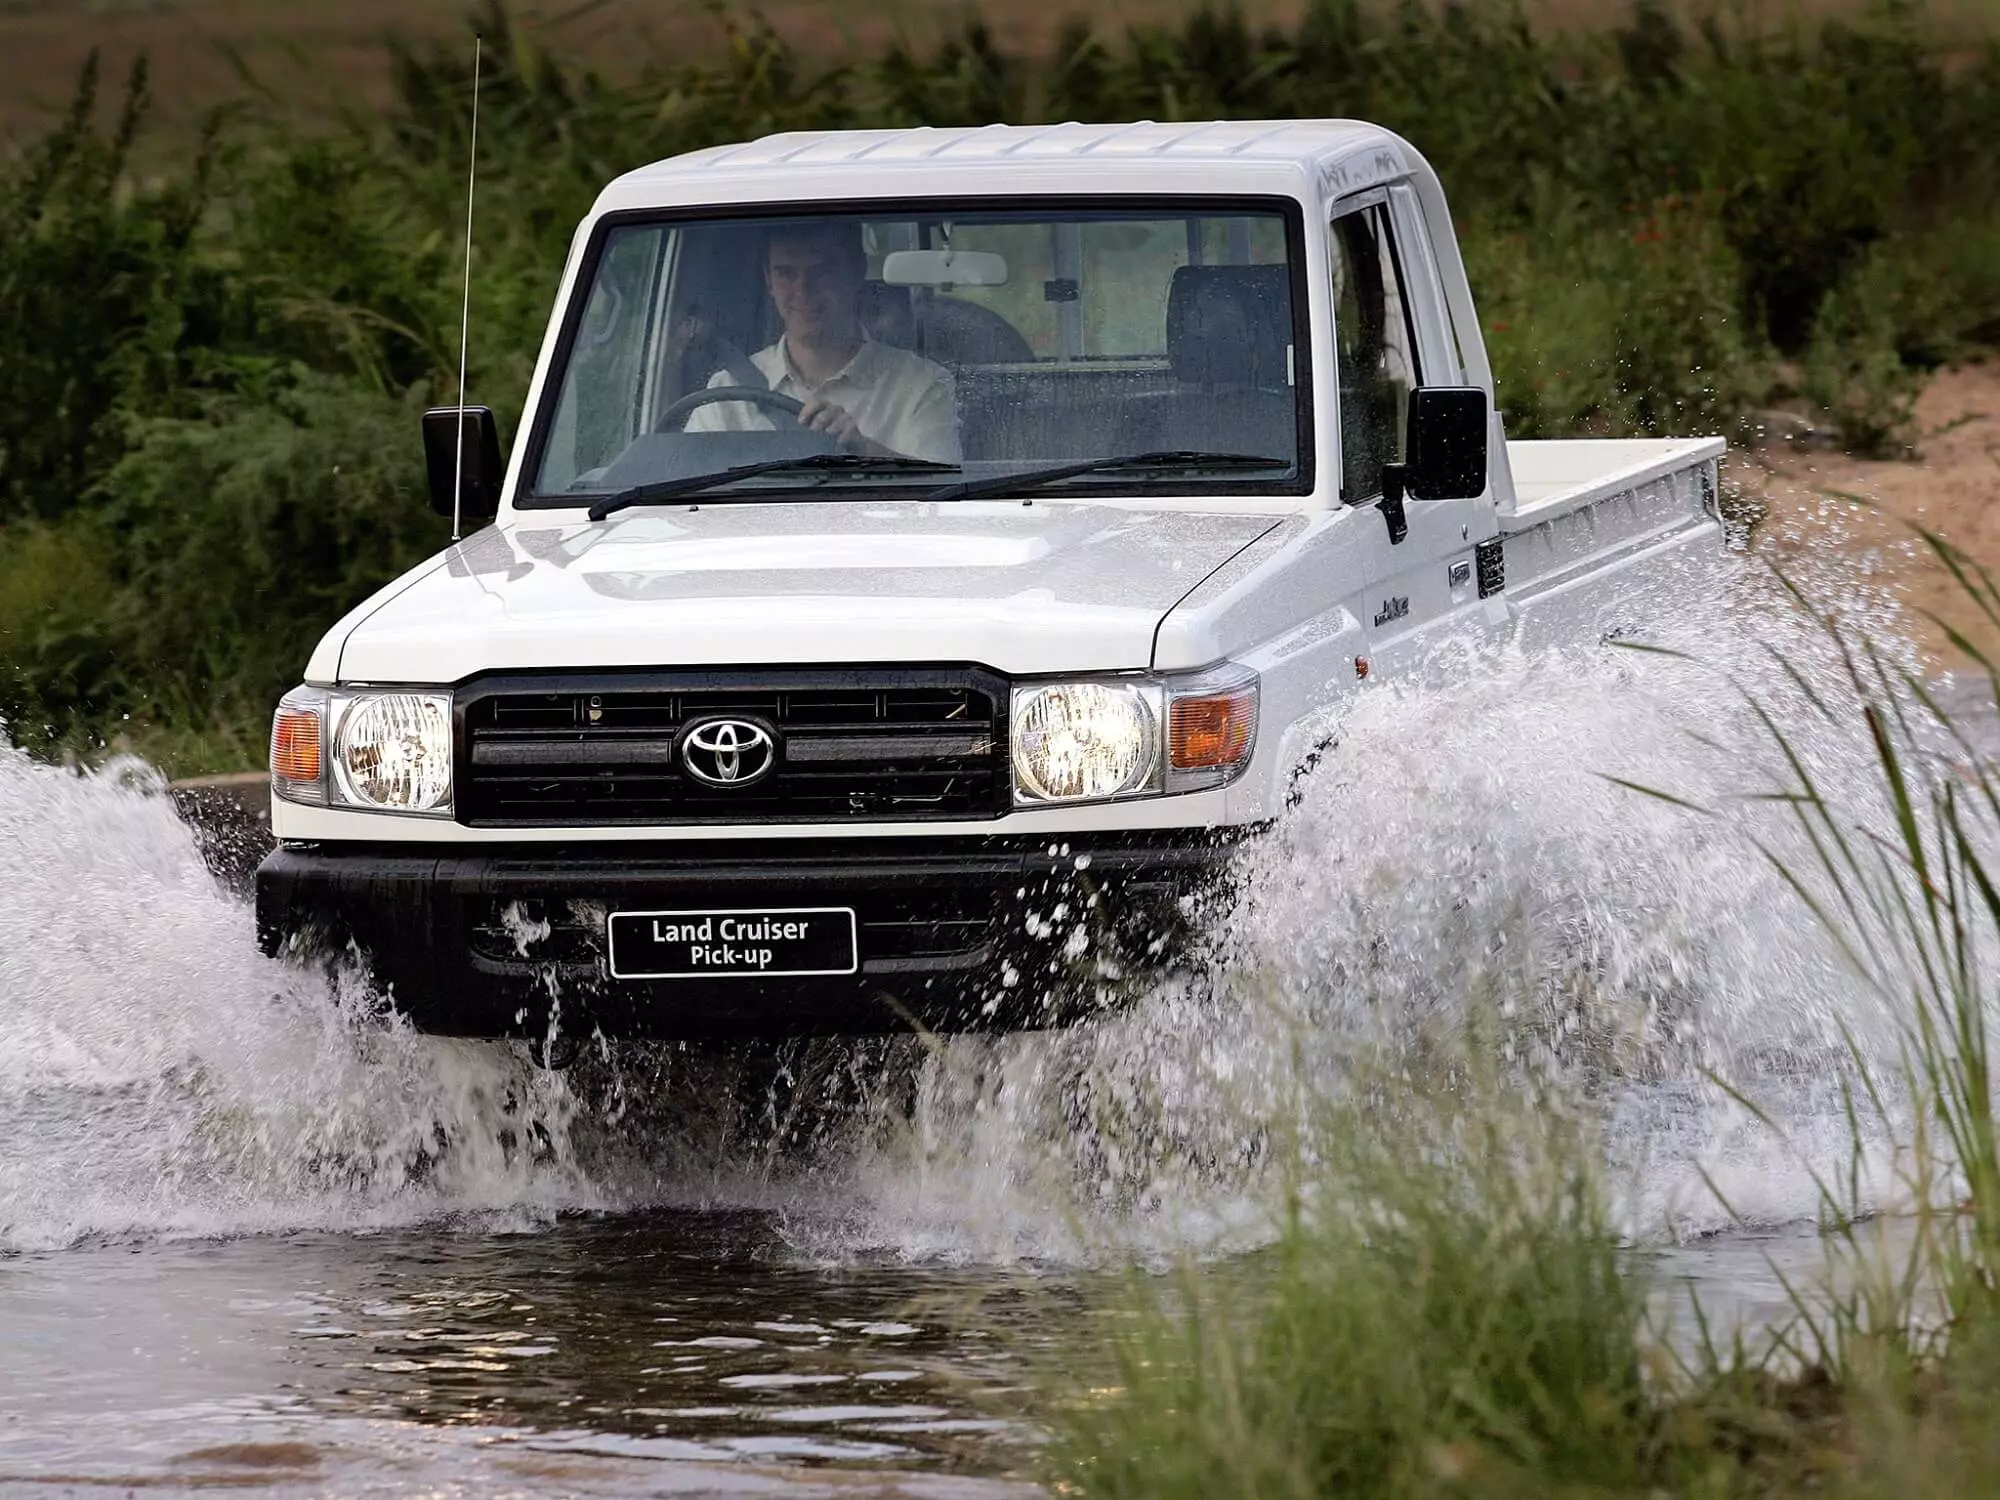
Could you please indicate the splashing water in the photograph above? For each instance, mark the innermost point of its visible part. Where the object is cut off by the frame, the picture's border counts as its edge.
(1464, 846)
(158, 1074)
(1473, 845)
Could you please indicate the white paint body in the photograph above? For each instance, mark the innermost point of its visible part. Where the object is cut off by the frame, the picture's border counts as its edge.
(1292, 586)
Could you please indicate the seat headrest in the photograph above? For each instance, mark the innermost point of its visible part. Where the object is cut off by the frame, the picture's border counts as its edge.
(941, 327)
(887, 314)
(1230, 325)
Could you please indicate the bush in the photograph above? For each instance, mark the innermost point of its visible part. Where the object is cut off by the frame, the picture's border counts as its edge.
(56, 646)
(250, 528)
(1632, 331)
(1653, 217)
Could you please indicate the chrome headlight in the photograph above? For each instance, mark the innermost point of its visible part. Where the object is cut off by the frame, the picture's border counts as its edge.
(393, 752)
(380, 751)
(1098, 739)
(1085, 741)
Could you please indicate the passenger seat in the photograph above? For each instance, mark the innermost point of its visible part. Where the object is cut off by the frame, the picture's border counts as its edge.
(1229, 336)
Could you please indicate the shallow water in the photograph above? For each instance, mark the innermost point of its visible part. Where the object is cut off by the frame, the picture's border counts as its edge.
(251, 1235)
(657, 1352)
(644, 1351)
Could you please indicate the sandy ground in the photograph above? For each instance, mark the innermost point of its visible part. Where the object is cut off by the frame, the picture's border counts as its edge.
(1869, 515)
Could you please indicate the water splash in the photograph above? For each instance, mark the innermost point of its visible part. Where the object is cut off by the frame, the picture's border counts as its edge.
(1471, 848)
(1466, 848)
(159, 1075)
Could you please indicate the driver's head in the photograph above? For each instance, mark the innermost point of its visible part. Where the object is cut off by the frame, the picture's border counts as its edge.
(814, 272)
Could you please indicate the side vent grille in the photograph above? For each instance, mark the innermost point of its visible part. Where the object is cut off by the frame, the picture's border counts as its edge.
(1491, 559)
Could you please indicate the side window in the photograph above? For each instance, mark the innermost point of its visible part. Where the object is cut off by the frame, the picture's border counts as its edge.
(1377, 349)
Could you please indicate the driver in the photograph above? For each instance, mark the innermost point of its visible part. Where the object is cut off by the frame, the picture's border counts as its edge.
(870, 398)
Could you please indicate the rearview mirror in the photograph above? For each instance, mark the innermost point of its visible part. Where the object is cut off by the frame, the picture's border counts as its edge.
(462, 458)
(1445, 452)
(944, 268)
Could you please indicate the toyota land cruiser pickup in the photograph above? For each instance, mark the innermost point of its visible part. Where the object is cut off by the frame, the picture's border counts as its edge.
(927, 556)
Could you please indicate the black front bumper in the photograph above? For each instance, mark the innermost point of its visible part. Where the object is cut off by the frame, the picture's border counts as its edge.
(953, 934)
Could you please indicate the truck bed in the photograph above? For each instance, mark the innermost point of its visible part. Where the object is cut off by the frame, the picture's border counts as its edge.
(1552, 478)
(1587, 512)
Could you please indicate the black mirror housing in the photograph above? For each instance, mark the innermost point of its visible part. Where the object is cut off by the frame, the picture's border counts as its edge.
(462, 458)
(1446, 457)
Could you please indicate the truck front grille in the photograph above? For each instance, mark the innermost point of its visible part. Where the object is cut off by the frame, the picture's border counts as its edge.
(864, 745)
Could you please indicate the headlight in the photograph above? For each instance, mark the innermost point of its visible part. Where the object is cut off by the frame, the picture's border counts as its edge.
(1085, 741)
(1098, 739)
(385, 752)
(395, 752)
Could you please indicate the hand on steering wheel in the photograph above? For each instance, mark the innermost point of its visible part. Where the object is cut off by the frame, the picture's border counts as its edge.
(837, 422)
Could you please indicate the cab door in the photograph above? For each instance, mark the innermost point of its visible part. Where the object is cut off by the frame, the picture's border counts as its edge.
(1390, 338)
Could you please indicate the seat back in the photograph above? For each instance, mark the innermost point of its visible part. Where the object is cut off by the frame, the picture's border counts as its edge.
(1230, 326)
(1229, 336)
(948, 329)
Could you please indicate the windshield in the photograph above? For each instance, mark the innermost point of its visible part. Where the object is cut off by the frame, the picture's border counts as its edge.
(991, 341)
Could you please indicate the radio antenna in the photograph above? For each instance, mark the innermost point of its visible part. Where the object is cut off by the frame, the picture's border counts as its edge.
(465, 304)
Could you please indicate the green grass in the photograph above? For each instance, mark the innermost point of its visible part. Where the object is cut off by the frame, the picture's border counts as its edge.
(211, 452)
(1436, 1311)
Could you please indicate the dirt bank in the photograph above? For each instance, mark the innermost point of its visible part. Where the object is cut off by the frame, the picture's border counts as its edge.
(316, 53)
(1869, 514)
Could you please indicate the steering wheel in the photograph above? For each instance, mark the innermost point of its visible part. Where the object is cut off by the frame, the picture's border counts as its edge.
(675, 416)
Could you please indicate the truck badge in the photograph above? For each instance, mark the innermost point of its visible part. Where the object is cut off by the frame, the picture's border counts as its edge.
(728, 752)
(1397, 608)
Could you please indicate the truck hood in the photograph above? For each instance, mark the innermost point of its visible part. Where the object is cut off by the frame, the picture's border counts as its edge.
(1047, 587)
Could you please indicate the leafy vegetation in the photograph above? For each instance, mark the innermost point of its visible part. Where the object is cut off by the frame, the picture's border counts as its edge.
(209, 374)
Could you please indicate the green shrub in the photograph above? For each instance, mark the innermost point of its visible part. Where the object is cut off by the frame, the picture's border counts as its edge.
(1854, 374)
(1634, 329)
(1652, 216)
(56, 646)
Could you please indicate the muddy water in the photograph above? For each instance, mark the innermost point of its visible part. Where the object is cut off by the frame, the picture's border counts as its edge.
(634, 1354)
(664, 1352)
(253, 1234)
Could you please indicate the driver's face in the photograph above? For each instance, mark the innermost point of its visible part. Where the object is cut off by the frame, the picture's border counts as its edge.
(813, 286)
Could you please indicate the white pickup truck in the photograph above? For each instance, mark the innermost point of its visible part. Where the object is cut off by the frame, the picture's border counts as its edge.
(927, 555)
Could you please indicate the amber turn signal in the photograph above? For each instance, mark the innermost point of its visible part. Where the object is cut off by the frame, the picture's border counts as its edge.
(1211, 731)
(295, 745)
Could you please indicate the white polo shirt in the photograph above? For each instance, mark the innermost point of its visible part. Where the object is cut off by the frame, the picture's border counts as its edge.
(901, 400)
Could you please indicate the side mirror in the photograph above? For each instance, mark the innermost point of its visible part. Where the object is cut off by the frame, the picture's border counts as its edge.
(462, 461)
(1445, 452)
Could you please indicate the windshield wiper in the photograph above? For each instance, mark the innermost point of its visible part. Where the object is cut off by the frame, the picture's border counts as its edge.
(1172, 458)
(668, 489)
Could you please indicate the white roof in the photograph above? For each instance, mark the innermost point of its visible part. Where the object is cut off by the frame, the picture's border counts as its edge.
(1301, 157)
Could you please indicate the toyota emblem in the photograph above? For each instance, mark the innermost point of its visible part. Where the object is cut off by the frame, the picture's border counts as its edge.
(728, 752)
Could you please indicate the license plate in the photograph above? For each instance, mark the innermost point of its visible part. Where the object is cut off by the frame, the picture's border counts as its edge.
(754, 944)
